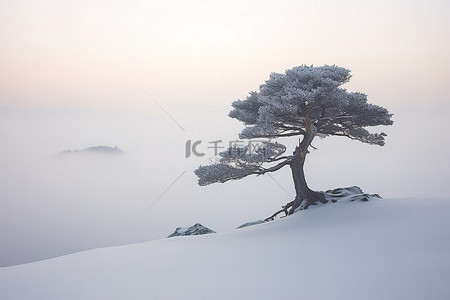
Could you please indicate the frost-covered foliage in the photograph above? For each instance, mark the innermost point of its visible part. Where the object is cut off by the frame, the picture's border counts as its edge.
(238, 162)
(304, 101)
(220, 172)
(253, 155)
(280, 107)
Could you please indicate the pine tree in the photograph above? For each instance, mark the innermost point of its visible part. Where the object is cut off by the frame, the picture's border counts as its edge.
(305, 101)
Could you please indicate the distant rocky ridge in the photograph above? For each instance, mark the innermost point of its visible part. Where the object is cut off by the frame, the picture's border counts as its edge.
(196, 229)
(95, 149)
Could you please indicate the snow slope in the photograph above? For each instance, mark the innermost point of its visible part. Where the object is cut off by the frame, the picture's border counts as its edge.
(381, 249)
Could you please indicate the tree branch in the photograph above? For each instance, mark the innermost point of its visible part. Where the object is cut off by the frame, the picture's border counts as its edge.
(336, 118)
(287, 127)
(279, 158)
(287, 134)
(262, 170)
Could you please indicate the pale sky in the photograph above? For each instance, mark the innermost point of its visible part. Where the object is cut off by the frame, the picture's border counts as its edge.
(75, 74)
(92, 53)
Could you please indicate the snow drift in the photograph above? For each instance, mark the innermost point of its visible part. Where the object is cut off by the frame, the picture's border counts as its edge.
(380, 249)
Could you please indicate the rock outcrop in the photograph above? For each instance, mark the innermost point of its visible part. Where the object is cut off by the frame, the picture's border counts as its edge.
(196, 229)
(250, 224)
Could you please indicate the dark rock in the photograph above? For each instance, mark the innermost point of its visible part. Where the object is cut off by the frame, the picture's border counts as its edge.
(344, 192)
(350, 194)
(196, 229)
(342, 195)
(250, 224)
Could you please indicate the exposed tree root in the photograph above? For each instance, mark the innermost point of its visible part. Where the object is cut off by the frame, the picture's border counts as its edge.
(292, 206)
(286, 209)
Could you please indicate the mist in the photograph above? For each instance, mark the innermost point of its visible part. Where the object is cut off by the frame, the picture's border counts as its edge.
(152, 76)
(54, 204)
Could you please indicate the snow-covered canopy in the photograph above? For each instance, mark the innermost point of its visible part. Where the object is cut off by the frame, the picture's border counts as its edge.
(306, 101)
(285, 101)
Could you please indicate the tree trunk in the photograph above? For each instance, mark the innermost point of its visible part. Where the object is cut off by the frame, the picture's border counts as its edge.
(303, 192)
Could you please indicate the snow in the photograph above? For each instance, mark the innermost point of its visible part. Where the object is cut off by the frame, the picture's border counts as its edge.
(380, 249)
